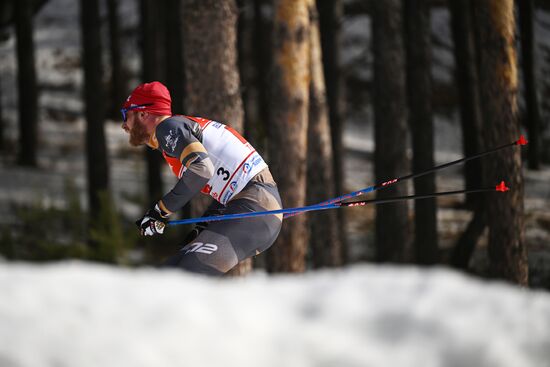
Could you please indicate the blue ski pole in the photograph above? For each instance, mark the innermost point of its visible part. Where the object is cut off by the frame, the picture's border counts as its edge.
(520, 141)
(501, 188)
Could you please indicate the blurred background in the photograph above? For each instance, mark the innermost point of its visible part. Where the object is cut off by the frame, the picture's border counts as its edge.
(337, 95)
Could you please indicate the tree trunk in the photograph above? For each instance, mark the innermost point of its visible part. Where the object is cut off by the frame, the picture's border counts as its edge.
(96, 150)
(26, 84)
(175, 69)
(526, 15)
(288, 124)
(152, 54)
(262, 44)
(325, 241)
(119, 76)
(246, 68)
(499, 84)
(2, 121)
(174, 63)
(331, 14)
(390, 106)
(419, 87)
(467, 79)
(465, 246)
(213, 82)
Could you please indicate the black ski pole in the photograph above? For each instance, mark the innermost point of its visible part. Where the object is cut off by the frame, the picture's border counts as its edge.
(500, 187)
(520, 141)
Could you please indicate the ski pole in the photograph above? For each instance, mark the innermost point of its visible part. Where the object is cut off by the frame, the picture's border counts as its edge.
(500, 188)
(520, 141)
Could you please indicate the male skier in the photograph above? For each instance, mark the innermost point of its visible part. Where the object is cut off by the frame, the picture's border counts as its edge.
(212, 158)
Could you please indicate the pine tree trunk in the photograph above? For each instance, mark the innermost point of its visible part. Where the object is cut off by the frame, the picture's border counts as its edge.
(246, 67)
(499, 87)
(390, 107)
(119, 76)
(2, 121)
(324, 234)
(152, 55)
(96, 150)
(288, 129)
(174, 64)
(419, 87)
(466, 77)
(26, 83)
(211, 70)
(331, 14)
(262, 39)
(526, 15)
(175, 69)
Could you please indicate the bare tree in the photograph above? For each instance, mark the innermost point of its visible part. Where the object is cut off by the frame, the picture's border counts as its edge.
(153, 68)
(262, 45)
(499, 87)
(174, 63)
(467, 79)
(118, 72)
(288, 128)
(213, 83)
(96, 150)
(390, 106)
(419, 86)
(325, 241)
(331, 15)
(2, 121)
(26, 83)
(532, 117)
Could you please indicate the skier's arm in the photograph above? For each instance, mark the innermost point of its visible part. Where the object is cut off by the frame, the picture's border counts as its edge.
(179, 142)
(191, 182)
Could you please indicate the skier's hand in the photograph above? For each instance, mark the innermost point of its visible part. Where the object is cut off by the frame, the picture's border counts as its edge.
(152, 223)
(199, 227)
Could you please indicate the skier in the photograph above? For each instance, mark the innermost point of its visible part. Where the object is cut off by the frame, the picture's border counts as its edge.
(212, 158)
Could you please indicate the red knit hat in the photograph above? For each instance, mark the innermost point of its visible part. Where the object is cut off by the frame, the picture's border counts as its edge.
(155, 95)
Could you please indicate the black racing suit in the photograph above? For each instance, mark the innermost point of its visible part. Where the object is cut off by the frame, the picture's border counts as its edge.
(235, 175)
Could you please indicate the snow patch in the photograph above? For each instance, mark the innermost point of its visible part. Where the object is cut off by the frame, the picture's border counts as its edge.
(78, 314)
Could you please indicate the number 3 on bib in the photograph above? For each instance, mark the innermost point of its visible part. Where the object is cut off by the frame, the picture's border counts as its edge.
(223, 172)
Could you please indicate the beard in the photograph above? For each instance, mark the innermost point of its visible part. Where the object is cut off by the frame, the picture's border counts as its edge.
(138, 135)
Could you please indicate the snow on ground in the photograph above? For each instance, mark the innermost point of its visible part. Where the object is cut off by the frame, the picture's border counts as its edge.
(78, 314)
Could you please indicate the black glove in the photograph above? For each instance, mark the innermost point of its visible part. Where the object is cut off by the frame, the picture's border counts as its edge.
(153, 222)
(199, 227)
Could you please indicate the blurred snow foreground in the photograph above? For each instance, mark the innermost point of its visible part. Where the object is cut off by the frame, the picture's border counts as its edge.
(78, 314)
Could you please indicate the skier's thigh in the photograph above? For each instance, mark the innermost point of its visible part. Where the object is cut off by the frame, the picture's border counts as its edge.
(209, 253)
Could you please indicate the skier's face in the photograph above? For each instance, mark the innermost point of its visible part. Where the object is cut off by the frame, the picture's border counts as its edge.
(135, 126)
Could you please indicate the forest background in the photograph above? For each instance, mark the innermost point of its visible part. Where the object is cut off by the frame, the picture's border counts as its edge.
(337, 95)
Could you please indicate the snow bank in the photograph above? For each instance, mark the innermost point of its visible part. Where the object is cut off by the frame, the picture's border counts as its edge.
(77, 314)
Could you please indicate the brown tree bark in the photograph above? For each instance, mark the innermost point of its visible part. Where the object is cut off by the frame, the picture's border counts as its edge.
(119, 76)
(211, 71)
(466, 76)
(532, 117)
(419, 87)
(288, 129)
(26, 84)
(174, 63)
(331, 15)
(262, 45)
(499, 87)
(325, 240)
(390, 113)
(96, 149)
(2, 121)
(152, 56)
(467, 80)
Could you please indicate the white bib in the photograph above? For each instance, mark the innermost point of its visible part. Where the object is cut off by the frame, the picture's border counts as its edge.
(235, 160)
